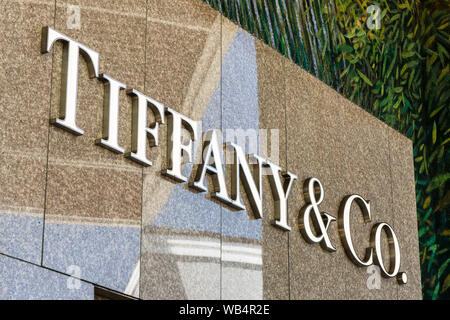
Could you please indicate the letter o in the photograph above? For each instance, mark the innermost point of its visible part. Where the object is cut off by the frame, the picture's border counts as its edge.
(394, 249)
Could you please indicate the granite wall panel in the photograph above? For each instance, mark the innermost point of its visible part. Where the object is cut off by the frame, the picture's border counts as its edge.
(181, 228)
(404, 207)
(272, 123)
(306, 279)
(93, 204)
(361, 167)
(25, 281)
(25, 81)
(241, 277)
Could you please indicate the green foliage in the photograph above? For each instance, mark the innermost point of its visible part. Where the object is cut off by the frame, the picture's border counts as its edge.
(407, 86)
(430, 134)
(399, 73)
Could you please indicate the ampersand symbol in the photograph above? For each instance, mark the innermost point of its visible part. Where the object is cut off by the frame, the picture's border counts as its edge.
(321, 221)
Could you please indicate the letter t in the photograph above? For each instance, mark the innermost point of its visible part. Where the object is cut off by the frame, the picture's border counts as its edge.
(69, 86)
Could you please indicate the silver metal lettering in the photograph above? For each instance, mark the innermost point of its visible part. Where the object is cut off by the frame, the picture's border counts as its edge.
(140, 131)
(69, 87)
(212, 153)
(252, 180)
(175, 147)
(110, 132)
(394, 250)
(320, 218)
(280, 192)
(344, 228)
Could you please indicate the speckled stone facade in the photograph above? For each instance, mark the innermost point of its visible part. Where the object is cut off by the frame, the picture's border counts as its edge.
(71, 209)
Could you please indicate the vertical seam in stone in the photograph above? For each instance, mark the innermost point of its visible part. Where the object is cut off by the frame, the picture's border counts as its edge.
(48, 144)
(392, 194)
(142, 170)
(287, 169)
(221, 129)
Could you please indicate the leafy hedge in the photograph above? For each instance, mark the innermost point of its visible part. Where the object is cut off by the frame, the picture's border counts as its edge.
(399, 73)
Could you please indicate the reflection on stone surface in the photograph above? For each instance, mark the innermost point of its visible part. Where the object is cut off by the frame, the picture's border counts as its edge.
(194, 261)
(24, 281)
(187, 234)
(185, 214)
(240, 111)
(25, 80)
(21, 236)
(93, 196)
(184, 38)
(191, 264)
(109, 258)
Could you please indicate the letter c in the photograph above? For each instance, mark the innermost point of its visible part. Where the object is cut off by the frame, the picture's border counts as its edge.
(344, 228)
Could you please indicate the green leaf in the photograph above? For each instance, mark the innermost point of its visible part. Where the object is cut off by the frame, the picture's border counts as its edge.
(397, 103)
(438, 181)
(442, 267)
(394, 17)
(436, 291)
(391, 66)
(427, 214)
(435, 111)
(366, 80)
(434, 132)
(345, 71)
(422, 231)
(446, 284)
(431, 243)
(426, 203)
(429, 41)
(445, 141)
(344, 48)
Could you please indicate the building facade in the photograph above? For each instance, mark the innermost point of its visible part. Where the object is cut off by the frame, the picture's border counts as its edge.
(107, 110)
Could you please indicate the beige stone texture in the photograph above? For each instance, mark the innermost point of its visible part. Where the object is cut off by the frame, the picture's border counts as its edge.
(361, 167)
(307, 274)
(25, 80)
(404, 209)
(271, 94)
(193, 53)
(348, 151)
(77, 158)
(183, 71)
(89, 187)
(240, 229)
